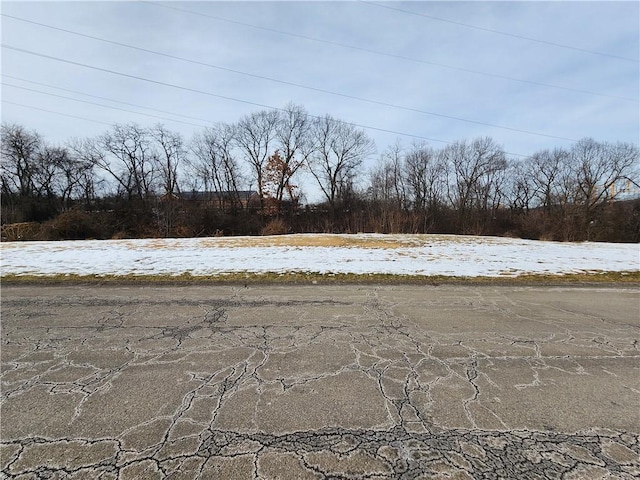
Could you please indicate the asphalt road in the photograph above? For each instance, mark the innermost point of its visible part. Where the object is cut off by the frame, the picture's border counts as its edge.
(320, 382)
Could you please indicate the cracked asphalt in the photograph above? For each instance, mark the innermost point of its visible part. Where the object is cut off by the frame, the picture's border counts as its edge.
(316, 381)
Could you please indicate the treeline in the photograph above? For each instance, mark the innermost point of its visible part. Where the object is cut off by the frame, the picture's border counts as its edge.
(242, 179)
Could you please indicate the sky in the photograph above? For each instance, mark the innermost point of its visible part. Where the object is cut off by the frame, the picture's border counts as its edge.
(531, 75)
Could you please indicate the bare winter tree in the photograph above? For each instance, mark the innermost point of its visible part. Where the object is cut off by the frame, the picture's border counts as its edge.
(38, 180)
(340, 148)
(48, 173)
(170, 155)
(215, 165)
(548, 171)
(294, 146)
(599, 168)
(587, 191)
(477, 170)
(18, 166)
(90, 154)
(572, 186)
(387, 190)
(255, 136)
(425, 174)
(388, 182)
(426, 177)
(125, 153)
(64, 178)
(78, 180)
(521, 188)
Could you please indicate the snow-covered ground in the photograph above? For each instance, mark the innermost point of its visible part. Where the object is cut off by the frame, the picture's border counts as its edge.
(360, 254)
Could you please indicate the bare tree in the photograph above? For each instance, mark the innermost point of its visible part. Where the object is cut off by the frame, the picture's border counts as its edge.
(388, 179)
(125, 154)
(294, 146)
(599, 167)
(215, 165)
(548, 171)
(170, 155)
(340, 148)
(425, 173)
(255, 135)
(477, 170)
(387, 190)
(426, 177)
(38, 180)
(78, 180)
(64, 177)
(18, 165)
(49, 180)
(89, 153)
(521, 189)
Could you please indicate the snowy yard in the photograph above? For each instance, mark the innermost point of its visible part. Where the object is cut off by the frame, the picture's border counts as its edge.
(466, 256)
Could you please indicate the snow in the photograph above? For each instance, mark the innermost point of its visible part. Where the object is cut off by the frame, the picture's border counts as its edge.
(449, 255)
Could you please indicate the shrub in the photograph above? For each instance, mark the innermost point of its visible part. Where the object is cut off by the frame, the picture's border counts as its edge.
(24, 231)
(277, 226)
(71, 225)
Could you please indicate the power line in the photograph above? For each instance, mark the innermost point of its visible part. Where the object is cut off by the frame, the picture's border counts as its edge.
(264, 106)
(106, 98)
(262, 77)
(54, 112)
(383, 130)
(391, 55)
(100, 105)
(135, 77)
(404, 134)
(157, 82)
(507, 34)
(368, 127)
(419, 137)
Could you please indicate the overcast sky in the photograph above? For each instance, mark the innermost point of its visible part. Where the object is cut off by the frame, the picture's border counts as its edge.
(520, 72)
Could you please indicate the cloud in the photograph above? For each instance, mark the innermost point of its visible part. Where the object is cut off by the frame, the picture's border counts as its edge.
(439, 87)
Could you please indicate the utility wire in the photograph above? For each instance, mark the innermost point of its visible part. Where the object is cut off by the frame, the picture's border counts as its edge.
(106, 98)
(135, 77)
(418, 137)
(100, 105)
(391, 55)
(157, 82)
(262, 77)
(54, 112)
(507, 34)
(403, 134)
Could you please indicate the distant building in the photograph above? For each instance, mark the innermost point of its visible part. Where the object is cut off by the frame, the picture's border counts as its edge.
(223, 200)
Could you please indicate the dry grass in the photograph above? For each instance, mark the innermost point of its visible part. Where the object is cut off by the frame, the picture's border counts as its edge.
(302, 240)
(631, 279)
(327, 240)
(367, 241)
(295, 241)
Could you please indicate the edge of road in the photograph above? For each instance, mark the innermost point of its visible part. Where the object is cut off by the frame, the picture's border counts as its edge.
(629, 279)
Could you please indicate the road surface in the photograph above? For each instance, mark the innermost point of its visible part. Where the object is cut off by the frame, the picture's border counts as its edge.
(319, 382)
